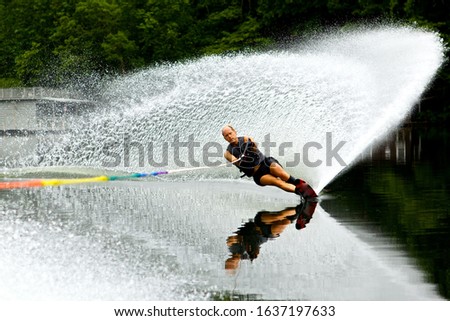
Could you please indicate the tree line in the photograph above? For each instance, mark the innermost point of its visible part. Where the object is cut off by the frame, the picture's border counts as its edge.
(46, 42)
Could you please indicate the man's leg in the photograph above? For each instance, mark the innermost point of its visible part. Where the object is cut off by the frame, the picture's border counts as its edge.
(269, 179)
(300, 186)
(278, 171)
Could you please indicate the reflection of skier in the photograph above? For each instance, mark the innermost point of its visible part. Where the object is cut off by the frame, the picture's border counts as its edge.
(243, 153)
(246, 243)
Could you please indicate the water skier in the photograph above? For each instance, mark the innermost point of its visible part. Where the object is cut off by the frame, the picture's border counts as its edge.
(243, 152)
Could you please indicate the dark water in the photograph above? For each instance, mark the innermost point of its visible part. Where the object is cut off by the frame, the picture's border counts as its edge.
(401, 190)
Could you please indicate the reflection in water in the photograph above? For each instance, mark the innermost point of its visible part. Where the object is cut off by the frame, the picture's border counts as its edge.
(160, 240)
(377, 225)
(400, 147)
(245, 244)
(402, 192)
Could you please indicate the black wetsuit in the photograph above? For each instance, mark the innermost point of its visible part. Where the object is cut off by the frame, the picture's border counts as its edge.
(252, 158)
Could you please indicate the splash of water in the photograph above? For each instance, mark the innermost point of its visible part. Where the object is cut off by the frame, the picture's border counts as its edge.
(356, 86)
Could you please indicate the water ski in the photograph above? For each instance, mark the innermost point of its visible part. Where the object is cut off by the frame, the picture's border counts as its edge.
(303, 212)
(306, 190)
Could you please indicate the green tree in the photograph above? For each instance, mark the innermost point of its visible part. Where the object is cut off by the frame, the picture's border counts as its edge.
(50, 41)
(30, 65)
(24, 26)
(83, 31)
(121, 52)
(165, 30)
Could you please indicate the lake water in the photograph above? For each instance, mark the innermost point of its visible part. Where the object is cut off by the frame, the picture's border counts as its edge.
(402, 196)
(380, 232)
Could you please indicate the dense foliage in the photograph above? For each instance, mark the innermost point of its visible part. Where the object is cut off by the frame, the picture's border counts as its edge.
(45, 42)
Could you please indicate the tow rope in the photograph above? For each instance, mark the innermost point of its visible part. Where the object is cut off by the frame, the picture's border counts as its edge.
(103, 178)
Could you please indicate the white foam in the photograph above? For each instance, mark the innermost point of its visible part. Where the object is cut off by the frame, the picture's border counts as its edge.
(356, 85)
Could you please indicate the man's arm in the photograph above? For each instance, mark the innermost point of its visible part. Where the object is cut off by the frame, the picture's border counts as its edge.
(252, 145)
(230, 157)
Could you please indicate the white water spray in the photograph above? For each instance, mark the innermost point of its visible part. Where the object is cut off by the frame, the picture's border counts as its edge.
(356, 86)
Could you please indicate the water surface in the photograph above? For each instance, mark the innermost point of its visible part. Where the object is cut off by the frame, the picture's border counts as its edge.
(401, 191)
(380, 232)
